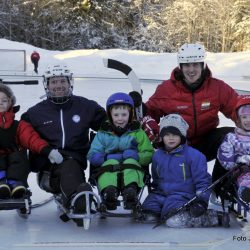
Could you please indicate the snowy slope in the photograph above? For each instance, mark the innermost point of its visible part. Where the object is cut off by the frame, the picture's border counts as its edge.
(44, 230)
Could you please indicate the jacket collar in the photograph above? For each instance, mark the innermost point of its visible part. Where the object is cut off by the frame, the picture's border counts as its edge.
(7, 118)
(177, 77)
(107, 126)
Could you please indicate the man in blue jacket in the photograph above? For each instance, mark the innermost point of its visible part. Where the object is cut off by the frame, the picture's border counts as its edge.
(64, 120)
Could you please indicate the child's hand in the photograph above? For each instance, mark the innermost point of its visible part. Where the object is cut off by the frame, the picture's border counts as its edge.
(117, 156)
(244, 159)
(198, 208)
(130, 153)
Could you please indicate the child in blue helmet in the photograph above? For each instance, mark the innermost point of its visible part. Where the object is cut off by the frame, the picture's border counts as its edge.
(119, 152)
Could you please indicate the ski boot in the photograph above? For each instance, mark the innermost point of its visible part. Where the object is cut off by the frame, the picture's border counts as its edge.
(110, 195)
(130, 196)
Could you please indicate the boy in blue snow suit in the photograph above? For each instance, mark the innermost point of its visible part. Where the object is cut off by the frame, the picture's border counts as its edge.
(179, 173)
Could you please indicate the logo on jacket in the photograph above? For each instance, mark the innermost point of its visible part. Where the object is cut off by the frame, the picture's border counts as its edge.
(76, 118)
(47, 122)
(205, 105)
(182, 107)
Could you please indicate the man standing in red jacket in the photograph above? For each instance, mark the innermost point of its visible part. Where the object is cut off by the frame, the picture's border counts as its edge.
(193, 93)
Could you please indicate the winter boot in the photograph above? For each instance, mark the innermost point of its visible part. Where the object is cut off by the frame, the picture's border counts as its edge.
(185, 220)
(18, 190)
(244, 193)
(130, 196)
(110, 195)
(4, 190)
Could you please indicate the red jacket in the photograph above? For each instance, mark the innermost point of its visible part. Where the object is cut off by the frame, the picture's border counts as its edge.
(23, 137)
(35, 56)
(199, 108)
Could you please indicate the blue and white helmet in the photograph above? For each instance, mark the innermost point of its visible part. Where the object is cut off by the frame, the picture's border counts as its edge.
(120, 98)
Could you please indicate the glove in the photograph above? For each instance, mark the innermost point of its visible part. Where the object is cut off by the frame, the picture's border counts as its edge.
(117, 156)
(244, 159)
(130, 153)
(55, 156)
(97, 159)
(136, 98)
(198, 208)
(151, 128)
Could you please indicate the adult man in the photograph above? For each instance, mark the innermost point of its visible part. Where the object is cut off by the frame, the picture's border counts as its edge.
(193, 93)
(64, 120)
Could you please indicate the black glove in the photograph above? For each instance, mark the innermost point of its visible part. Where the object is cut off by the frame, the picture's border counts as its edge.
(136, 98)
(198, 208)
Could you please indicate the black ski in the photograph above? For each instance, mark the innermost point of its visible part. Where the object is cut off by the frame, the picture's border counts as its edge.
(134, 80)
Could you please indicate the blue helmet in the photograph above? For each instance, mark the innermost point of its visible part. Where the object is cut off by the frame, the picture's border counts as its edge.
(119, 98)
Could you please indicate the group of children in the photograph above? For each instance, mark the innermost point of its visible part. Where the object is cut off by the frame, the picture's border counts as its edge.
(120, 153)
(179, 172)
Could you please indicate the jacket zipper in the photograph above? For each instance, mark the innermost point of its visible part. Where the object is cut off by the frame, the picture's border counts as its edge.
(195, 114)
(183, 170)
(63, 131)
(4, 120)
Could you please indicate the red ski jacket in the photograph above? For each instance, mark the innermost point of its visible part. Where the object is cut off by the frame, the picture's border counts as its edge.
(200, 108)
(35, 56)
(18, 135)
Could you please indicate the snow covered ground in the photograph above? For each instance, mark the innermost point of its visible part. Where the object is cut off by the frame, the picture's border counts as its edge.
(43, 229)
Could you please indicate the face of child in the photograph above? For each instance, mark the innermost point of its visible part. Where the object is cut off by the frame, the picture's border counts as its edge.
(5, 102)
(171, 141)
(245, 122)
(120, 116)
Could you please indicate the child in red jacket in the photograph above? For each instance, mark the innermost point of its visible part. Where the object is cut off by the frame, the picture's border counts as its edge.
(15, 138)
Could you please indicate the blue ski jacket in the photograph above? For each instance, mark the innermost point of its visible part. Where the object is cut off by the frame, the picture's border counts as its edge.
(182, 172)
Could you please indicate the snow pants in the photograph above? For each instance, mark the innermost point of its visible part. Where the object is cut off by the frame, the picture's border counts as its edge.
(16, 166)
(127, 176)
(64, 178)
(162, 204)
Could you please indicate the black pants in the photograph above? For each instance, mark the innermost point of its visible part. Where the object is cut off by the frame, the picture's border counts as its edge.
(16, 165)
(209, 147)
(65, 178)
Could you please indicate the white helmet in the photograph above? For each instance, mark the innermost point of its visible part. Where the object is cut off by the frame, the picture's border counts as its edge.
(191, 53)
(58, 70)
